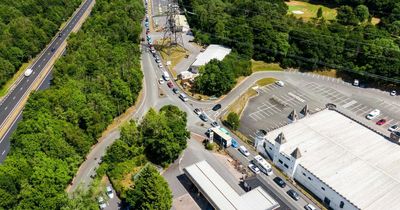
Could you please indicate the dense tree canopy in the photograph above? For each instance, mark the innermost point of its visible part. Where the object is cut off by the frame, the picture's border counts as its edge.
(150, 191)
(261, 29)
(164, 134)
(26, 26)
(98, 79)
(219, 77)
(160, 138)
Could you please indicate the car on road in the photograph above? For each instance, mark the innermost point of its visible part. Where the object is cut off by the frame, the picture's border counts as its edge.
(170, 85)
(216, 107)
(109, 191)
(309, 207)
(393, 128)
(215, 124)
(279, 181)
(183, 97)
(102, 203)
(356, 82)
(293, 194)
(381, 122)
(161, 81)
(60, 34)
(203, 117)
(175, 90)
(28, 72)
(393, 93)
(197, 111)
(280, 83)
(53, 49)
(254, 168)
(234, 143)
(160, 65)
(373, 114)
(152, 51)
(244, 151)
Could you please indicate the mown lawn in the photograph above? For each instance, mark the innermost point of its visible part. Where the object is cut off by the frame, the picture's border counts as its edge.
(310, 10)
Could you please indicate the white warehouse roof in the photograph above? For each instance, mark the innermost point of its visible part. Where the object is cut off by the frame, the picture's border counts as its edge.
(222, 195)
(212, 52)
(353, 160)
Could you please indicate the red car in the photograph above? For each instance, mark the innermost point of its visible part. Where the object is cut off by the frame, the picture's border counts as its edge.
(381, 122)
(170, 85)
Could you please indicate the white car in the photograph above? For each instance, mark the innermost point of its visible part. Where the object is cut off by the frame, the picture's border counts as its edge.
(393, 128)
(160, 65)
(373, 114)
(393, 93)
(161, 81)
(356, 82)
(102, 203)
(109, 192)
(310, 207)
(244, 151)
(280, 83)
(197, 111)
(28, 72)
(254, 168)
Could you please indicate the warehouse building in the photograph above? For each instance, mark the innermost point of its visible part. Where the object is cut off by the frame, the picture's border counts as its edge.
(212, 52)
(221, 195)
(345, 164)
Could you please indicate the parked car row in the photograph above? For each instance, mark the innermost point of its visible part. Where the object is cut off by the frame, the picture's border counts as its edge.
(374, 114)
(101, 201)
(357, 83)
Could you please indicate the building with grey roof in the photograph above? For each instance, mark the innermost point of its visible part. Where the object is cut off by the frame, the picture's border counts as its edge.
(221, 195)
(345, 164)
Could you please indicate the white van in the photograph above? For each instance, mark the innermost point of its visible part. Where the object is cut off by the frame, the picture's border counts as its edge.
(165, 75)
(244, 151)
(183, 97)
(28, 72)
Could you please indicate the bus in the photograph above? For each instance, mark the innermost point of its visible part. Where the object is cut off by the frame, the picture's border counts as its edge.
(264, 166)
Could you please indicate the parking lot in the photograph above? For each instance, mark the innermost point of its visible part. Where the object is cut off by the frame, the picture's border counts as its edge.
(359, 107)
(272, 107)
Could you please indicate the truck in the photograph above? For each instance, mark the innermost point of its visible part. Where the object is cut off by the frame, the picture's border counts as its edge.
(264, 166)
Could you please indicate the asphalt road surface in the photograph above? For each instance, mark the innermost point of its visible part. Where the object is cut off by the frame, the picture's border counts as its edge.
(13, 99)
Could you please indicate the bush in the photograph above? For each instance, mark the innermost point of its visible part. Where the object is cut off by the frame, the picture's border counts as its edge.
(232, 121)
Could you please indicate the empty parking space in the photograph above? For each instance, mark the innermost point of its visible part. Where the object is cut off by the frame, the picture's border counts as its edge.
(272, 107)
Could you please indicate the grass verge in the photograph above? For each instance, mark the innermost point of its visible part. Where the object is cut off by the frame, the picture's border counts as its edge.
(240, 103)
(262, 66)
(174, 54)
(9, 83)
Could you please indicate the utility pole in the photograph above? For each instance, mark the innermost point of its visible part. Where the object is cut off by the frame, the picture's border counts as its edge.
(172, 30)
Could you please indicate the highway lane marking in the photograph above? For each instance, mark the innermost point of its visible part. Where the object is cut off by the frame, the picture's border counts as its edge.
(14, 98)
(6, 108)
(27, 80)
(4, 151)
(20, 88)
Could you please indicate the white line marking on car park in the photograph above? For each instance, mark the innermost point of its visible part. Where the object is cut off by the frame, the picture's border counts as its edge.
(296, 97)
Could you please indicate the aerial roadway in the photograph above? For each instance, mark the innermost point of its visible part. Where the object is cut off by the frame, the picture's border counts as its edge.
(9, 104)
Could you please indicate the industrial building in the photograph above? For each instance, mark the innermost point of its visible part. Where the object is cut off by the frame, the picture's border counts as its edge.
(345, 164)
(213, 51)
(221, 195)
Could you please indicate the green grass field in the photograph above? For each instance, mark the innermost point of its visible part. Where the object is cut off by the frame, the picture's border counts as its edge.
(310, 10)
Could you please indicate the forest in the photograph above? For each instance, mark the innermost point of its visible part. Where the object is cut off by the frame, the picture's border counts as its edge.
(160, 138)
(262, 30)
(98, 79)
(26, 26)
